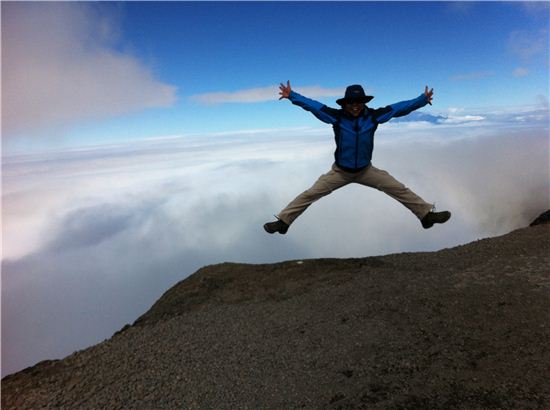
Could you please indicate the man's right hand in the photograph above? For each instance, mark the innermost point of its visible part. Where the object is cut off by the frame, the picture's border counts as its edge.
(284, 90)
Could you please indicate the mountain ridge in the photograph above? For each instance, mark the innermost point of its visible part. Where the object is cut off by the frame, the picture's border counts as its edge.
(464, 327)
(212, 279)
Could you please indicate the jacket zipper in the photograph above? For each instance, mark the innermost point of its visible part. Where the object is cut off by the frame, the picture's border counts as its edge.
(338, 155)
(356, 141)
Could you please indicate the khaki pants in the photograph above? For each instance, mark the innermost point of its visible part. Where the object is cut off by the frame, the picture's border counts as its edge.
(370, 176)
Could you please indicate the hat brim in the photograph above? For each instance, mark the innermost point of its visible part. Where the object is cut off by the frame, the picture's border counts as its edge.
(364, 100)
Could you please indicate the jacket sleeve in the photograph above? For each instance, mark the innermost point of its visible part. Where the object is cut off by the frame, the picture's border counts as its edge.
(399, 109)
(318, 109)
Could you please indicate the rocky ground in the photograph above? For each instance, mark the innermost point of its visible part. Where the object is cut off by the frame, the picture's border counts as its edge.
(462, 328)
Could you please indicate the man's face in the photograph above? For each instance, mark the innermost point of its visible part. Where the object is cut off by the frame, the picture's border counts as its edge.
(354, 108)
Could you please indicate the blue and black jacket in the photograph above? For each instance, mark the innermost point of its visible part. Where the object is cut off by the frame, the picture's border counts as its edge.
(354, 136)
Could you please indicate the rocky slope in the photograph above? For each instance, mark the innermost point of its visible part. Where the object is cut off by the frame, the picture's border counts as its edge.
(466, 327)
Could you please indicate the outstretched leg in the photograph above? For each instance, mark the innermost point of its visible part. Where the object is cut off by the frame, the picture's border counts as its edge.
(383, 181)
(326, 183)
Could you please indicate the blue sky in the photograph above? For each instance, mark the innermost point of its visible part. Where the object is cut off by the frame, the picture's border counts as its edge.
(475, 55)
(144, 140)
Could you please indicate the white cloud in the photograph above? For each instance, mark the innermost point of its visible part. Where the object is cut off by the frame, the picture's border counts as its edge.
(536, 8)
(520, 72)
(262, 94)
(59, 66)
(529, 45)
(320, 92)
(251, 95)
(460, 7)
(455, 119)
(472, 76)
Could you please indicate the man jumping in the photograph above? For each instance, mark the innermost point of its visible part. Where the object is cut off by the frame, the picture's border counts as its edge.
(354, 125)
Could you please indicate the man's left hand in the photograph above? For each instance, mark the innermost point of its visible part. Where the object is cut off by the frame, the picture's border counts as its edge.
(429, 95)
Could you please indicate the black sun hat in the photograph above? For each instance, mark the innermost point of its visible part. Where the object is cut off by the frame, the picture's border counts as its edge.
(354, 93)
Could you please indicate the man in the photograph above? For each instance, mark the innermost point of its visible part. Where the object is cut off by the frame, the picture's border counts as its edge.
(354, 126)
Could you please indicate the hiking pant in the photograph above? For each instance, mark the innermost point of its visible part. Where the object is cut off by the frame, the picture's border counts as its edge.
(370, 176)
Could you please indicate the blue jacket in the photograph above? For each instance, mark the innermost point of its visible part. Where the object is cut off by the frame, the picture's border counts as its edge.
(354, 136)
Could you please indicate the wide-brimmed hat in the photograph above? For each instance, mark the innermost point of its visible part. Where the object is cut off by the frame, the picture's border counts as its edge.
(354, 93)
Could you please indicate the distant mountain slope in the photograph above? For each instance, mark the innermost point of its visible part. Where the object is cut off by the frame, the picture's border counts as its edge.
(421, 116)
(466, 327)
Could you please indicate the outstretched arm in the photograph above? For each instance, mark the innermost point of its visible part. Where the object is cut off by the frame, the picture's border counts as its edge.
(318, 109)
(404, 107)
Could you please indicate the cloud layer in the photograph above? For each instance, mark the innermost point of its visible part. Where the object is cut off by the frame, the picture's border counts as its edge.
(119, 225)
(59, 65)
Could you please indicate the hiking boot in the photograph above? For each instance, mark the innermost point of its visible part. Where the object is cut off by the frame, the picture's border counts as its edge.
(277, 226)
(432, 218)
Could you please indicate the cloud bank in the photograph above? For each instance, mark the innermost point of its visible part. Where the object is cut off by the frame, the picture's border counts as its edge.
(118, 225)
(60, 65)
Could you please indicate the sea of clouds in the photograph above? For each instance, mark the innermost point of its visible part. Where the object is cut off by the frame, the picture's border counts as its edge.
(94, 236)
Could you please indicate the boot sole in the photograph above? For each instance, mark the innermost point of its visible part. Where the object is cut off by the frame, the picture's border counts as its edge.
(268, 230)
